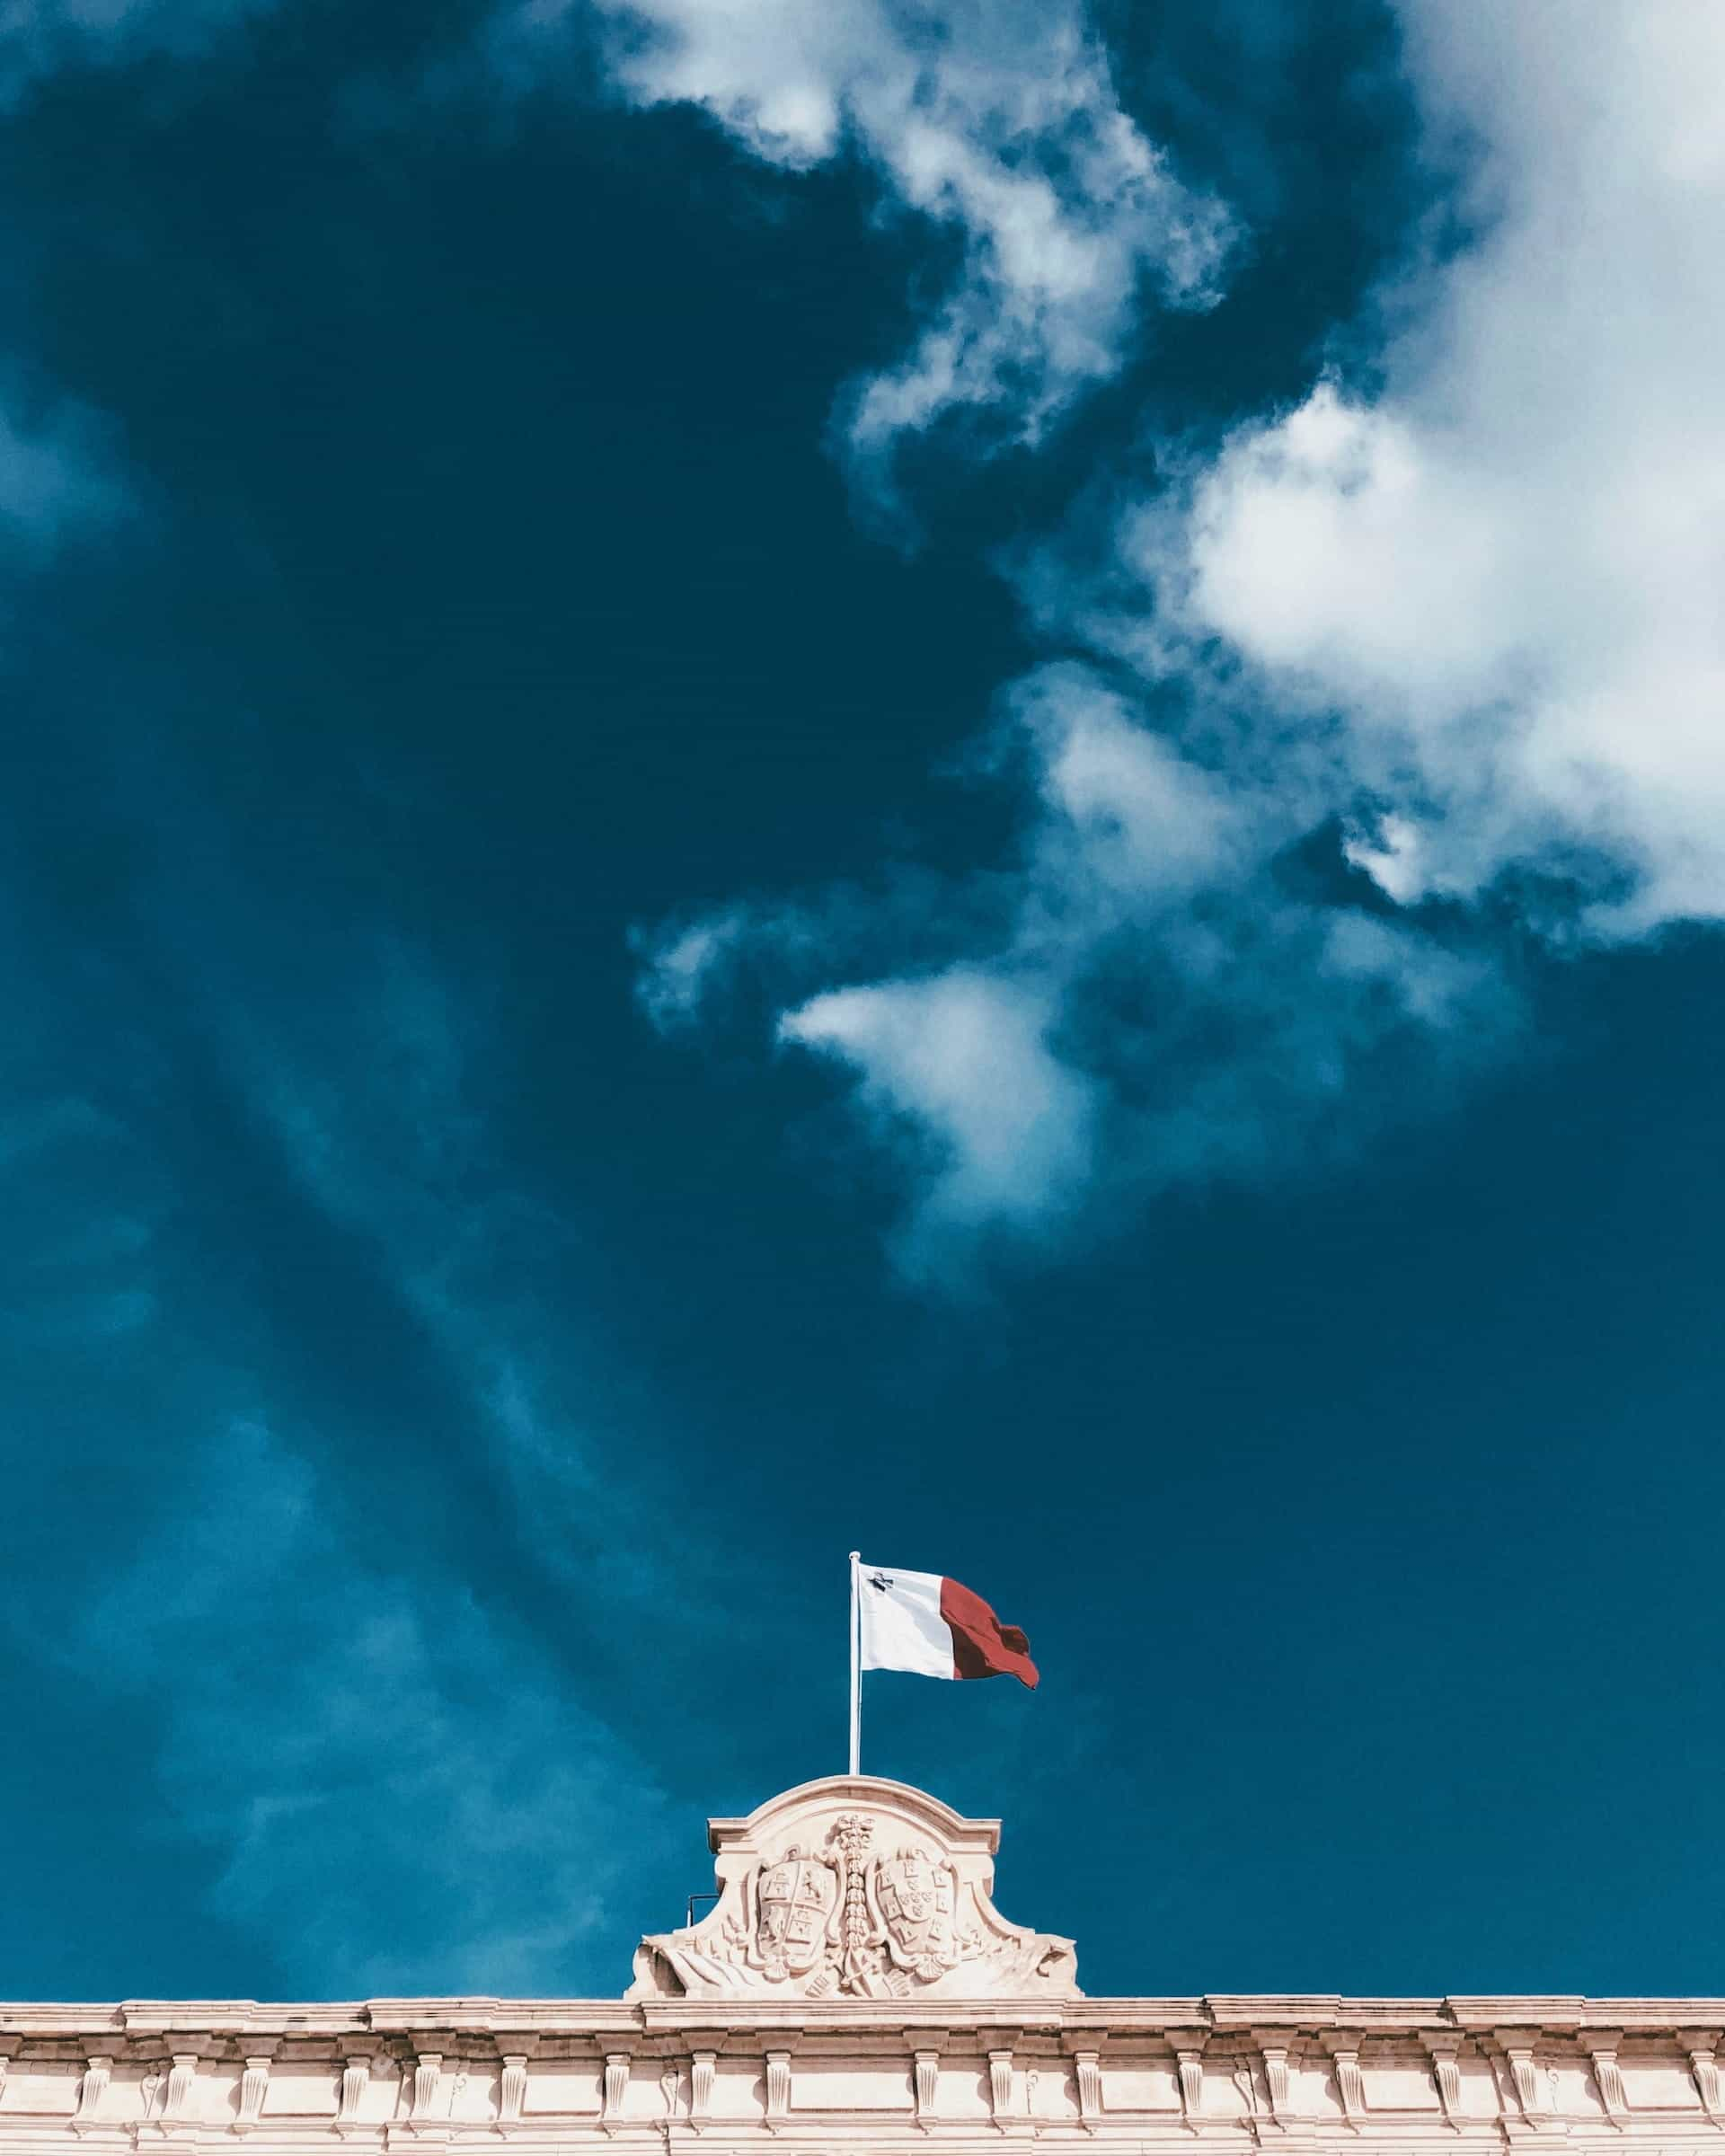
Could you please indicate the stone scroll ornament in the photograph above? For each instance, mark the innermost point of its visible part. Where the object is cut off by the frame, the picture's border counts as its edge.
(855, 1888)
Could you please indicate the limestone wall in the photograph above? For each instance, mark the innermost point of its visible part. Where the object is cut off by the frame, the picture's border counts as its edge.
(1317, 2074)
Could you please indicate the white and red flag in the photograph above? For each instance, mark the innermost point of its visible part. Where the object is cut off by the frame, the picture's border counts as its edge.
(928, 1623)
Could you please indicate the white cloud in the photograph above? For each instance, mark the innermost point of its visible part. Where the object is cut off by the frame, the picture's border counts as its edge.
(1123, 811)
(1143, 1002)
(963, 1060)
(1467, 615)
(1505, 565)
(997, 118)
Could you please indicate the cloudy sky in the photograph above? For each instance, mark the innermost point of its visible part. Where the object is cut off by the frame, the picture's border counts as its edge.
(938, 775)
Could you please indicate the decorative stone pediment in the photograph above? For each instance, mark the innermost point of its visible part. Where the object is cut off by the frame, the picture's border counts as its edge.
(855, 1887)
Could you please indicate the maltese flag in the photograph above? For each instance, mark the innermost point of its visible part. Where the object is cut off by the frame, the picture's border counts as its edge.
(925, 1623)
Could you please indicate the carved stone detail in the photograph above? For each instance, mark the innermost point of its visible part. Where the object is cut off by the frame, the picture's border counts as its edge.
(91, 2088)
(856, 2074)
(512, 2088)
(1087, 2076)
(1526, 2086)
(1603, 2050)
(778, 2088)
(855, 1888)
(1529, 2083)
(356, 2079)
(181, 2077)
(704, 2065)
(427, 2078)
(254, 2083)
(1276, 2077)
(926, 2080)
(999, 2085)
(616, 2089)
(1191, 2063)
(1445, 2071)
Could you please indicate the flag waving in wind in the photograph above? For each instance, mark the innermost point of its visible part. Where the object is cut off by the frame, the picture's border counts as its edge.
(928, 1623)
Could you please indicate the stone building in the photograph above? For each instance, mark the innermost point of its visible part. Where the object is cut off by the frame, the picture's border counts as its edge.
(854, 1989)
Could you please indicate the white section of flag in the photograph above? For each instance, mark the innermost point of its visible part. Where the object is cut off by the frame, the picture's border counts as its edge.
(901, 1622)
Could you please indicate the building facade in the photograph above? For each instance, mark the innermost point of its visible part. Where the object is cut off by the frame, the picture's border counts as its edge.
(854, 1989)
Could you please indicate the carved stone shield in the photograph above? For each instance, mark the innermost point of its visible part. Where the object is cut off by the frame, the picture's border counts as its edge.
(915, 1902)
(795, 1902)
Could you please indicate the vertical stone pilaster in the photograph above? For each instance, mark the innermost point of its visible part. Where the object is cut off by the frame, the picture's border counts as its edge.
(1087, 2077)
(1601, 2046)
(925, 2080)
(704, 2067)
(427, 2081)
(512, 2088)
(1000, 2084)
(1446, 2071)
(616, 2089)
(183, 2078)
(1273, 2048)
(356, 2079)
(1189, 2060)
(1518, 2047)
(1350, 2082)
(91, 2088)
(1701, 2047)
(778, 2088)
(255, 2084)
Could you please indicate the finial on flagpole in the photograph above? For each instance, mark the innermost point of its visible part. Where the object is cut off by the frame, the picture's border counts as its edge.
(856, 1670)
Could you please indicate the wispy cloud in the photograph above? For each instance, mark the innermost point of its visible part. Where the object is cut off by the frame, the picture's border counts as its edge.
(401, 1532)
(405, 1791)
(38, 37)
(1501, 559)
(59, 475)
(961, 1060)
(997, 120)
(1159, 991)
(399, 1145)
(409, 1787)
(1449, 623)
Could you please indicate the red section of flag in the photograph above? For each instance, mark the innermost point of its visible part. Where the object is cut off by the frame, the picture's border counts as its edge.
(982, 1646)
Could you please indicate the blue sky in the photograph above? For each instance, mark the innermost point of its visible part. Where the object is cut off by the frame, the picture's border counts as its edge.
(931, 776)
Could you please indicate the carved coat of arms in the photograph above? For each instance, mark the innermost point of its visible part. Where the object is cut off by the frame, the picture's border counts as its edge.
(855, 1889)
(913, 1900)
(796, 1908)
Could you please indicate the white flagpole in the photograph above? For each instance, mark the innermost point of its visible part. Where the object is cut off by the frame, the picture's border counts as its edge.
(856, 1669)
